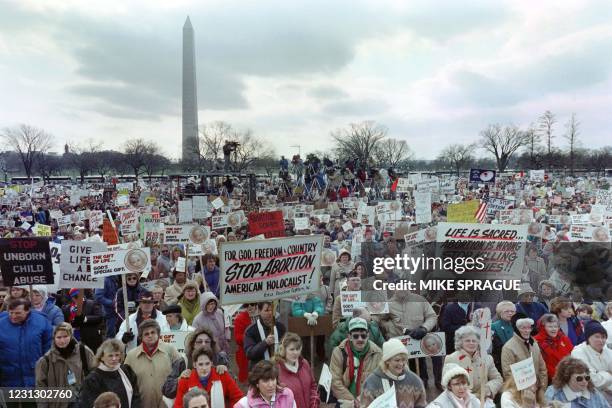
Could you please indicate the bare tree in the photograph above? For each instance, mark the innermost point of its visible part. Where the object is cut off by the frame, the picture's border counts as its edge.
(503, 142)
(49, 165)
(571, 135)
(137, 152)
(212, 138)
(359, 141)
(83, 156)
(29, 142)
(249, 150)
(458, 156)
(391, 152)
(546, 123)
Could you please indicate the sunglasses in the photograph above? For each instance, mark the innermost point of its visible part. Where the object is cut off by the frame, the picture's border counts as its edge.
(357, 336)
(581, 378)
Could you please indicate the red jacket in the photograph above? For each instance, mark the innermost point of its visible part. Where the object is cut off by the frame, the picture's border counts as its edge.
(553, 349)
(305, 388)
(230, 388)
(241, 322)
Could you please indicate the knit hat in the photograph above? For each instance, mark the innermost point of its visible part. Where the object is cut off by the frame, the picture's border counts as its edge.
(357, 323)
(519, 319)
(172, 309)
(452, 370)
(593, 327)
(344, 251)
(74, 292)
(392, 348)
(525, 288)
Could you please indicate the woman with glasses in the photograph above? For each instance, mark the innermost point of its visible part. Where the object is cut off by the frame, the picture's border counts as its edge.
(456, 383)
(111, 375)
(572, 385)
(553, 343)
(181, 367)
(243, 320)
(134, 293)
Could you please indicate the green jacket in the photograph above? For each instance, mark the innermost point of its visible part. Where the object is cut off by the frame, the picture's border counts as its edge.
(341, 333)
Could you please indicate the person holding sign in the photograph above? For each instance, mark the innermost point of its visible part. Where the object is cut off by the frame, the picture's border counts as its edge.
(468, 356)
(456, 382)
(572, 385)
(393, 371)
(521, 347)
(146, 310)
(352, 361)
(261, 338)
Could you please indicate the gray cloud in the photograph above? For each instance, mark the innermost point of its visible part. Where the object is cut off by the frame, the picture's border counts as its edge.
(327, 92)
(363, 107)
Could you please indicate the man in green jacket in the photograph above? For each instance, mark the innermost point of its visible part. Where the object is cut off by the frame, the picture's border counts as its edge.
(341, 331)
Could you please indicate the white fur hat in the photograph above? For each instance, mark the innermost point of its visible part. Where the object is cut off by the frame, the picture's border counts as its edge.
(392, 348)
(452, 370)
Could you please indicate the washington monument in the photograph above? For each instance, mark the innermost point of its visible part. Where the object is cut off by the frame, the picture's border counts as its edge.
(190, 96)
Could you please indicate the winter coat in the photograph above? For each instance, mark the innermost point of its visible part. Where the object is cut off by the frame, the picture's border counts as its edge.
(494, 380)
(596, 400)
(445, 400)
(212, 280)
(134, 320)
(214, 321)
(515, 350)
(407, 312)
(452, 318)
(309, 305)
(409, 391)
(89, 329)
(21, 346)
(173, 292)
(52, 312)
(134, 293)
(341, 333)
(533, 310)
(255, 347)
(336, 275)
(99, 381)
(152, 372)
(189, 310)
(339, 368)
(283, 399)
(178, 366)
(574, 330)
(52, 370)
(503, 330)
(231, 391)
(106, 296)
(553, 349)
(305, 387)
(600, 366)
(241, 322)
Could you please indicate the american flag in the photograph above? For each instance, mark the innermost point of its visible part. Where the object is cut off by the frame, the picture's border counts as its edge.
(481, 213)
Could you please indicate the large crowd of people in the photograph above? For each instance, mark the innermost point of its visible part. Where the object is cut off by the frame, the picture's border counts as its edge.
(112, 353)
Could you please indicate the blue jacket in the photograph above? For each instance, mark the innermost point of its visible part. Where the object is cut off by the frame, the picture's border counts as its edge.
(533, 310)
(313, 304)
(212, 280)
(22, 346)
(52, 312)
(597, 400)
(106, 296)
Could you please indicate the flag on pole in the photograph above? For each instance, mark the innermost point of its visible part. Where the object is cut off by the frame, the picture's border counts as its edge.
(481, 213)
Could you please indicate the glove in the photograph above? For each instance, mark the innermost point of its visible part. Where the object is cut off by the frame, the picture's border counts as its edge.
(127, 337)
(78, 320)
(307, 315)
(312, 320)
(418, 333)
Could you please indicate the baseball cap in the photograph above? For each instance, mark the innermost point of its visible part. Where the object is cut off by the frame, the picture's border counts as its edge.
(357, 323)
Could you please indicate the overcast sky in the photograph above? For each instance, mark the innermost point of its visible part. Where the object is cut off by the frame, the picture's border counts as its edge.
(433, 72)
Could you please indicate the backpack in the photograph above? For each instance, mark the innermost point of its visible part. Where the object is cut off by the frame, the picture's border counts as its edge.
(82, 354)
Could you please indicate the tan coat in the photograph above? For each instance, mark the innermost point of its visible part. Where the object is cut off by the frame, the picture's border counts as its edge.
(152, 372)
(494, 380)
(515, 350)
(173, 291)
(335, 277)
(340, 380)
(409, 312)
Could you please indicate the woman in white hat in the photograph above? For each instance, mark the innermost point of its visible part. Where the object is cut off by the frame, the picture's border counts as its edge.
(393, 370)
(456, 383)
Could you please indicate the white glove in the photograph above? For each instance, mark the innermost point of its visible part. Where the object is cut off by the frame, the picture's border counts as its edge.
(312, 320)
(307, 316)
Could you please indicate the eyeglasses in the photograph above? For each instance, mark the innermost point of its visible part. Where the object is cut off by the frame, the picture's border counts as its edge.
(357, 336)
(581, 378)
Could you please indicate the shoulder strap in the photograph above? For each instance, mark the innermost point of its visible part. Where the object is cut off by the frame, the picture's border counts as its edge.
(84, 363)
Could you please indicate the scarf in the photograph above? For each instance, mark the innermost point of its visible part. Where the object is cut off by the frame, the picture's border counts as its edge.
(263, 336)
(392, 376)
(73, 310)
(68, 350)
(204, 380)
(352, 355)
(124, 379)
(150, 351)
(293, 368)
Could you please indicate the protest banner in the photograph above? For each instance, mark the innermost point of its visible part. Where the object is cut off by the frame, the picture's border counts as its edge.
(151, 228)
(200, 207)
(502, 247)
(482, 176)
(74, 264)
(325, 380)
(301, 223)
(587, 233)
(129, 223)
(176, 338)
(183, 234)
(96, 218)
(120, 262)
(431, 184)
(498, 204)
(385, 400)
(270, 224)
(403, 185)
(536, 175)
(350, 300)
(217, 203)
(422, 200)
(42, 230)
(524, 373)
(252, 271)
(463, 212)
(433, 344)
(26, 261)
(185, 212)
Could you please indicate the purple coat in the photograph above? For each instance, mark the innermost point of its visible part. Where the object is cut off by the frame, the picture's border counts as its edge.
(215, 321)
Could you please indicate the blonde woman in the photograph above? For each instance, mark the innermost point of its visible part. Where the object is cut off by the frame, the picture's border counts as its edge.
(295, 373)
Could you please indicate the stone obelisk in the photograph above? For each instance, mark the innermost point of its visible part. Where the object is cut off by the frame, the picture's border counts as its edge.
(190, 95)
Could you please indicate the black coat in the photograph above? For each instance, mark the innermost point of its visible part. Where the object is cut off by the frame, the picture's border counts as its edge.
(255, 347)
(91, 329)
(452, 318)
(99, 381)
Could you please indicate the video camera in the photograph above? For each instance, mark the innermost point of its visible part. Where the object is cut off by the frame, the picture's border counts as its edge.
(230, 146)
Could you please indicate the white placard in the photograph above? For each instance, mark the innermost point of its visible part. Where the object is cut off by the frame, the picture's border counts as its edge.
(386, 400)
(422, 201)
(301, 223)
(217, 203)
(180, 264)
(524, 373)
